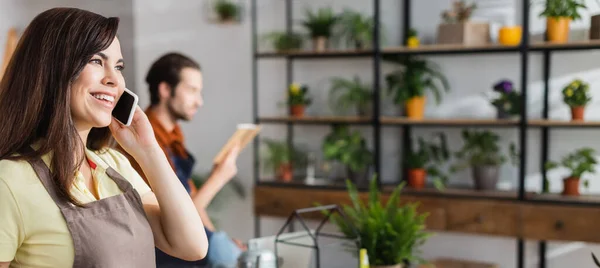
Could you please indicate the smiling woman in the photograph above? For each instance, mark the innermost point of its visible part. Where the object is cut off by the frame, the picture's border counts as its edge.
(66, 198)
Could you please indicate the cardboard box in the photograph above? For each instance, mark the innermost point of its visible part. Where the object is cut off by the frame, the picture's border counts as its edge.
(465, 33)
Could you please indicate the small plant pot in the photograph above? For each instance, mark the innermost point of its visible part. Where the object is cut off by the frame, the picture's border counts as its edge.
(285, 172)
(297, 110)
(364, 110)
(510, 36)
(412, 42)
(577, 113)
(416, 178)
(320, 43)
(415, 107)
(571, 186)
(485, 177)
(557, 29)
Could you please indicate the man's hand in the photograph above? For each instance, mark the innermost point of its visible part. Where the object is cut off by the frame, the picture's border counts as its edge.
(227, 169)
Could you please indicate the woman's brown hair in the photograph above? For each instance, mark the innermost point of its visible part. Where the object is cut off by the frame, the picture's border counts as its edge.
(35, 90)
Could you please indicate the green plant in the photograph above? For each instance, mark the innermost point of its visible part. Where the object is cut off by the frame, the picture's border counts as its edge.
(346, 93)
(280, 153)
(481, 148)
(578, 162)
(460, 12)
(321, 23)
(412, 32)
(391, 234)
(417, 76)
(350, 148)
(509, 99)
(576, 93)
(355, 28)
(430, 156)
(226, 9)
(563, 8)
(283, 41)
(298, 95)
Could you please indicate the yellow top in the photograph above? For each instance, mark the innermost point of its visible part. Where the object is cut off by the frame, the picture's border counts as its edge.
(33, 232)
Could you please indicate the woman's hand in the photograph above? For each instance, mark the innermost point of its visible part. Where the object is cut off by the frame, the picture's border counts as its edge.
(137, 137)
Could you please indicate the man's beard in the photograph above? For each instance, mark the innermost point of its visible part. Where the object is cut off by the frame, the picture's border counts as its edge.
(176, 114)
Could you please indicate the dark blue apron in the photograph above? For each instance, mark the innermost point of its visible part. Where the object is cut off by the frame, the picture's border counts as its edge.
(183, 169)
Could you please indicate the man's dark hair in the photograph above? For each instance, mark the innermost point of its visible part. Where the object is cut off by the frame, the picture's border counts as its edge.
(167, 69)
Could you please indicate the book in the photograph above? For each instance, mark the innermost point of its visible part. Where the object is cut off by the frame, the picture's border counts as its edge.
(243, 135)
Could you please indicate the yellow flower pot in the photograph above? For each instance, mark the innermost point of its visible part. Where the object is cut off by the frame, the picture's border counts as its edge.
(415, 107)
(412, 41)
(510, 35)
(557, 29)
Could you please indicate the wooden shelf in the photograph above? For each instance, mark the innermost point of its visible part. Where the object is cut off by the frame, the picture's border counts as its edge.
(558, 198)
(333, 53)
(448, 122)
(316, 119)
(450, 49)
(562, 123)
(573, 45)
(453, 192)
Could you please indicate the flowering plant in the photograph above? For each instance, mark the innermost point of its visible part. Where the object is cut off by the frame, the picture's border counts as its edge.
(509, 100)
(576, 93)
(297, 94)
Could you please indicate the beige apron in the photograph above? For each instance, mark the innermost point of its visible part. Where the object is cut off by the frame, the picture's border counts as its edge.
(111, 232)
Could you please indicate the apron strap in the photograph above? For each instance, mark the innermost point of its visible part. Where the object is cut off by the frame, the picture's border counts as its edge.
(43, 173)
(123, 184)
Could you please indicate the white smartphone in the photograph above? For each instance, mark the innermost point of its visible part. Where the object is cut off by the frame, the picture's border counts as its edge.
(125, 107)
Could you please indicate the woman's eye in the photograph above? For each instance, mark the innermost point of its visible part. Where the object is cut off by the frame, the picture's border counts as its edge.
(97, 61)
(120, 68)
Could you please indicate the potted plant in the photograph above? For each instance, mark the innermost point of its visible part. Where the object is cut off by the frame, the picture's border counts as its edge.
(508, 103)
(350, 149)
(320, 25)
(412, 38)
(281, 158)
(355, 28)
(409, 84)
(283, 42)
(559, 14)
(482, 154)
(576, 94)
(390, 233)
(457, 28)
(578, 162)
(298, 99)
(347, 93)
(227, 11)
(427, 161)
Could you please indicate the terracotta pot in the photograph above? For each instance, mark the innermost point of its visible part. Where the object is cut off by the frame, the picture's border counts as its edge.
(571, 186)
(415, 107)
(297, 110)
(284, 172)
(557, 29)
(416, 178)
(320, 43)
(577, 113)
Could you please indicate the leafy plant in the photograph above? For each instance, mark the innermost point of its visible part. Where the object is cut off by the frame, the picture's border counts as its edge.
(280, 153)
(298, 95)
(346, 93)
(412, 32)
(417, 76)
(283, 41)
(481, 149)
(226, 9)
(563, 8)
(350, 148)
(355, 28)
(509, 100)
(576, 93)
(430, 156)
(459, 13)
(578, 162)
(321, 23)
(390, 233)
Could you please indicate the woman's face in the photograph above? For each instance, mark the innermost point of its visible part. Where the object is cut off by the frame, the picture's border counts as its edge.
(96, 91)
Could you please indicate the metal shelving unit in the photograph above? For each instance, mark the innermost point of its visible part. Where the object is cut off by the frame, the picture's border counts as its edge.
(377, 122)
